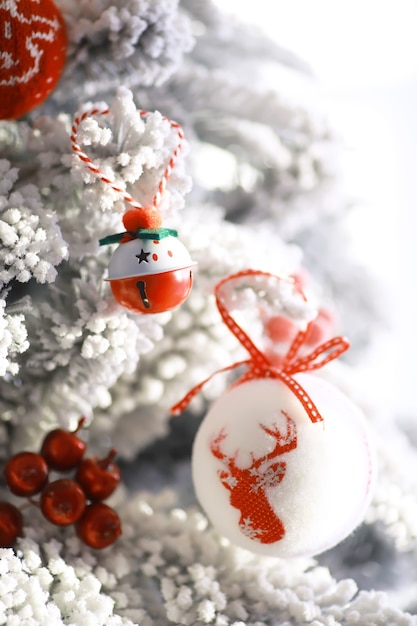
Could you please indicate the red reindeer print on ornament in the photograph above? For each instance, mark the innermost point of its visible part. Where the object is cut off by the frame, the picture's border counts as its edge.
(249, 486)
(33, 48)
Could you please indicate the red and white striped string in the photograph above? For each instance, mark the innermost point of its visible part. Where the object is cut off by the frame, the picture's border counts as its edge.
(103, 111)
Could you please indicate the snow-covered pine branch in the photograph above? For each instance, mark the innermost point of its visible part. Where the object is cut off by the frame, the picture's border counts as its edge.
(31, 241)
(113, 42)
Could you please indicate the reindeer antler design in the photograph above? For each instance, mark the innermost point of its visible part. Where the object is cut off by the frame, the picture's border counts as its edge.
(248, 486)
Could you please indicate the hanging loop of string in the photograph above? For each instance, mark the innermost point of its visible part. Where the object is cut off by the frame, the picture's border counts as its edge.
(258, 365)
(103, 111)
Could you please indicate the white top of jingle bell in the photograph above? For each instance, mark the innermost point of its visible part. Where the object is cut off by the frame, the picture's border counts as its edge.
(145, 257)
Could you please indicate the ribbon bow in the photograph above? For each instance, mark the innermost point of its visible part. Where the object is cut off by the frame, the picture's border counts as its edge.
(258, 364)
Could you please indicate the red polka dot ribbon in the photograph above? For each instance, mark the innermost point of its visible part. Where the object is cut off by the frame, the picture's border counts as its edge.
(258, 365)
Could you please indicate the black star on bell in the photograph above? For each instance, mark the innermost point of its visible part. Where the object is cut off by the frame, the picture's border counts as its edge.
(143, 256)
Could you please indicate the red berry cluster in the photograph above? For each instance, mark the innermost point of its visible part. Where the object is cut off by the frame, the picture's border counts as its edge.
(76, 500)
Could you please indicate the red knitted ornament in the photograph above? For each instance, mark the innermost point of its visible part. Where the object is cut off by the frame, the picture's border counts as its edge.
(33, 45)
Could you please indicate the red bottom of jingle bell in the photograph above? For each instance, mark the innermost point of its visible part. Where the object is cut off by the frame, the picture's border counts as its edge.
(155, 293)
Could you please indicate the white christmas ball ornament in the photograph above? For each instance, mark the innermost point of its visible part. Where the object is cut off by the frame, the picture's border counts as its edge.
(274, 482)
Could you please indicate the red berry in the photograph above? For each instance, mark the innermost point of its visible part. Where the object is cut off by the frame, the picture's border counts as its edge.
(98, 477)
(62, 449)
(100, 526)
(26, 474)
(11, 524)
(63, 502)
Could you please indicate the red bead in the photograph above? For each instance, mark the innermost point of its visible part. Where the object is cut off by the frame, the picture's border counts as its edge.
(100, 526)
(98, 477)
(315, 334)
(33, 44)
(26, 474)
(63, 502)
(11, 524)
(280, 329)
(321, 328)
(62, 449)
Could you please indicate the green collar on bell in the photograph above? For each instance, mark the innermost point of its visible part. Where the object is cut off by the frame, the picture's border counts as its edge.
(141, 233)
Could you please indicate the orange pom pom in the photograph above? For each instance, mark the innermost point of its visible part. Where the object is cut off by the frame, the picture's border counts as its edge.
(33, 45)
(141, 218)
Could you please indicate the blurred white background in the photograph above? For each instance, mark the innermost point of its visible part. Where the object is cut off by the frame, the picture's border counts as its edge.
(364, 55)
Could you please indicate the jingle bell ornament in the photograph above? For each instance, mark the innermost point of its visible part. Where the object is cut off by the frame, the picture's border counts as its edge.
(33, 47)
(152, 273)
(282, 463)
(151, 270)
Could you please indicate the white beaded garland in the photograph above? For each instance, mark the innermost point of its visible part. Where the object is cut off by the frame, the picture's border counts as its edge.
(272, 481)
